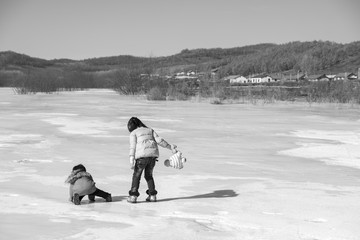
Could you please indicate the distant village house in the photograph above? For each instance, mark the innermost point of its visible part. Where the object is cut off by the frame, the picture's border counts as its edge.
(235, 79)
(263, 78)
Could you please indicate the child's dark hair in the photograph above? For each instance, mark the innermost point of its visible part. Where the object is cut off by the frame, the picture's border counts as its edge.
(79, 167)
(134, 123)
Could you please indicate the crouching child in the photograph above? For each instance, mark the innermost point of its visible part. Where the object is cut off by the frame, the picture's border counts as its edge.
(81, 184)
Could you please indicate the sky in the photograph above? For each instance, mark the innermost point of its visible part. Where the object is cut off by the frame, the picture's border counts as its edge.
(81, 29)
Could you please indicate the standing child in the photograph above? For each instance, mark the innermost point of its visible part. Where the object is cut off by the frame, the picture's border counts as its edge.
(144, 152)
(81, 184)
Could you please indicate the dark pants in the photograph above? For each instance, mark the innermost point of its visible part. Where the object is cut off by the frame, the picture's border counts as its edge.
(98, 193)
(148, 165)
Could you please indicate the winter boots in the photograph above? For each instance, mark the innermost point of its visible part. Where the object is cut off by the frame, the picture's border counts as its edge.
(151, 198)
(108, 198)
(132, 199)
(76, 199)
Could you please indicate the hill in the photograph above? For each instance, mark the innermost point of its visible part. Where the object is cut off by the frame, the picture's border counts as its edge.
(311, 57)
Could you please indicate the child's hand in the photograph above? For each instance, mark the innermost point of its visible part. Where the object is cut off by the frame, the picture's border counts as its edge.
(173, 148)
(132, 162)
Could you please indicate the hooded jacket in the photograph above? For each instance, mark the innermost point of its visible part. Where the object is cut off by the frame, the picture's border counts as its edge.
(144, 143)
(81, 183)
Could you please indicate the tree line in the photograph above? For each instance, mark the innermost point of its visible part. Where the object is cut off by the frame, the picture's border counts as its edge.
(123, 73)
(311, 57)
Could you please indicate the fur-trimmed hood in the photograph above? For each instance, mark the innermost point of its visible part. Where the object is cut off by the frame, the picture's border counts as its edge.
(75, 175)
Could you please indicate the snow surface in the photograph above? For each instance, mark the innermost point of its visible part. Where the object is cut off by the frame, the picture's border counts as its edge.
(281, 171)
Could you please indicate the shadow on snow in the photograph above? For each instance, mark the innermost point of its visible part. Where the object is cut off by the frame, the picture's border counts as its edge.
(214, 194)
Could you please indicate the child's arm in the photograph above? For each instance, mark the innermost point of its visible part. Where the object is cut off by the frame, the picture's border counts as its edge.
(132, 144)
(132, 150)
(89, 176)
(161, 142)
(71, 192)
(69, 178)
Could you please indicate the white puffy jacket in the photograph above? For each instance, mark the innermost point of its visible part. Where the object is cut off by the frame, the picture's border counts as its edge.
(144, 143)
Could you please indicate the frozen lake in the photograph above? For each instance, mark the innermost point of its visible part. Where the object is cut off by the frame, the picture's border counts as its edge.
(281, 171)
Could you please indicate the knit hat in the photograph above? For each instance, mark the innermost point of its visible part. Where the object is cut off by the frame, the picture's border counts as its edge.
(176, 161)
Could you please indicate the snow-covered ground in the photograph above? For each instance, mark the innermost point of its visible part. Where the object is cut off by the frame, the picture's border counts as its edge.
(281, 171)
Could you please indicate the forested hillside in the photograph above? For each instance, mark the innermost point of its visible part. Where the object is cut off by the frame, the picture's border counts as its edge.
(311, 57)
(150, 75)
